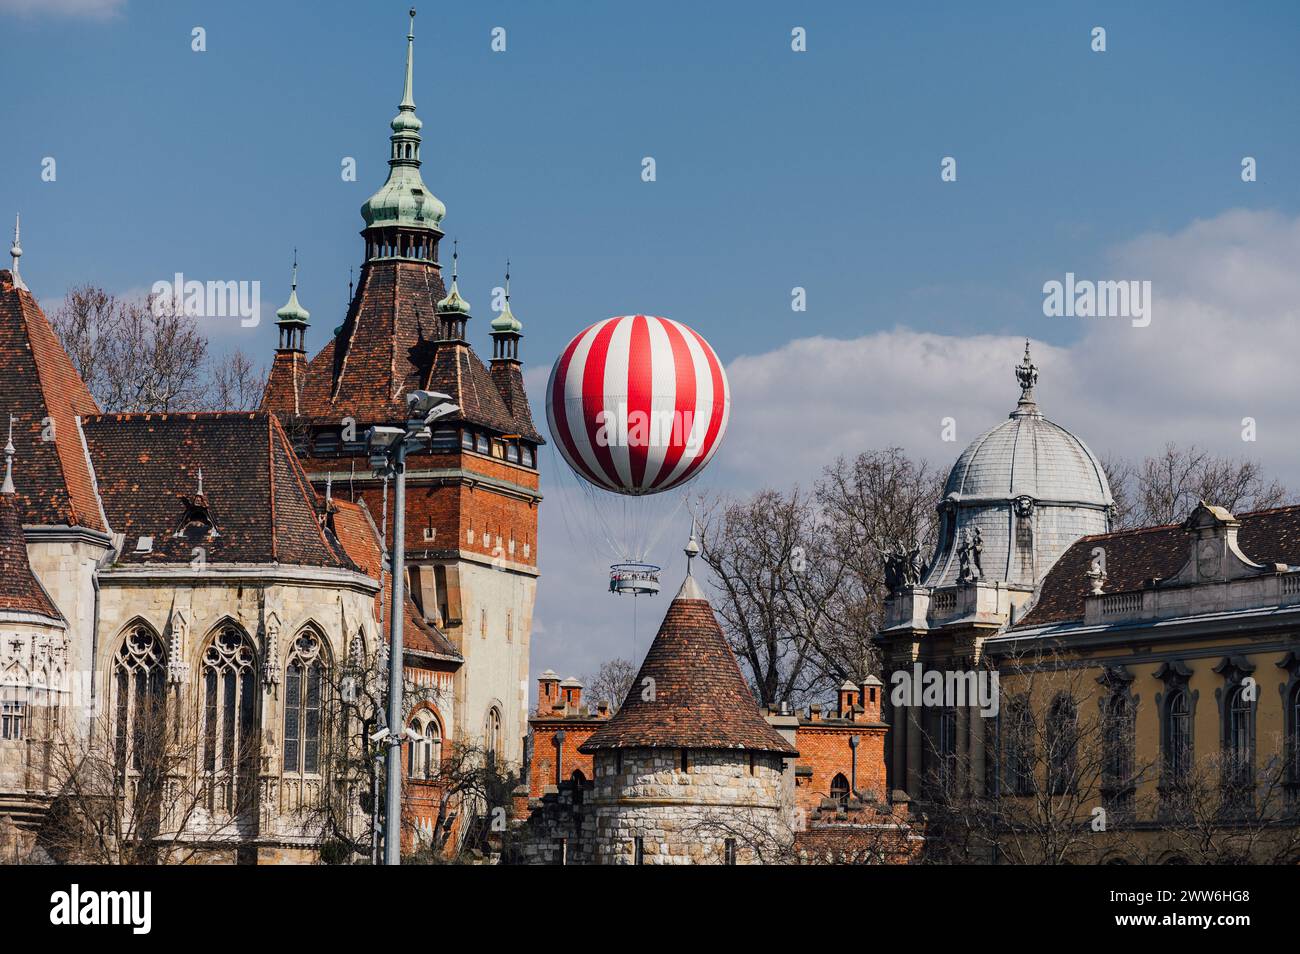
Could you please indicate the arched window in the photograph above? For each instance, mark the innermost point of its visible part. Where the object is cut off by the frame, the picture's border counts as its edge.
(304, 690)
(15, 693)
(492, 735)
(1237, 715)
(1293, 732)
(947, 748)
(1019, 747)
(840, 788)
(1117, 751)
(229, 713)
(424, 756)
(138, 700)
(1062, 745)
(1177, 742)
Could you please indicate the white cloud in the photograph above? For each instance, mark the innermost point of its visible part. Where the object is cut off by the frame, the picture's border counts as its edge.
(93, 9)
(1221, 346)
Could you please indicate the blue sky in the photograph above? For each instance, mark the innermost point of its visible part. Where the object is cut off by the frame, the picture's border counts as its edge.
(775, 169)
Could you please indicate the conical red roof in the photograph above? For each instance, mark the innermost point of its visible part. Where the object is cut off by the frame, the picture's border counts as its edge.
(20, 591)
(700, 698)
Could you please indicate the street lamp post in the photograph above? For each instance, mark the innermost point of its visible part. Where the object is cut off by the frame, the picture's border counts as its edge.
(388, 448)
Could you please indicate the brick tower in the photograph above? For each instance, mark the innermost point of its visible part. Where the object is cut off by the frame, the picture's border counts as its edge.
(472, 495)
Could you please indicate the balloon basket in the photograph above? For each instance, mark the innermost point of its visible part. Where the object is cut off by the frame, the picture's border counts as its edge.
(634, 579)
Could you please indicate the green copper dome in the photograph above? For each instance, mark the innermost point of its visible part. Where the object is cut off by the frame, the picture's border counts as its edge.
(453, 304)
(404, 200)
(506, 321)
(293, 312)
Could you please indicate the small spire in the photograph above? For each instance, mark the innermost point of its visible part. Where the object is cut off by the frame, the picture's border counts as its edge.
(293, 279)
(200, 481)
(507, 284)
(8, 486)
(408, 94)
(454, 304)
(329, 488)
(455, 260)
(16, 250)
(349, 284)
(506, 322)
(692, 548)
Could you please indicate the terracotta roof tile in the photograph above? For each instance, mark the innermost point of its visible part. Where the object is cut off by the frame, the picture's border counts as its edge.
(40, 387)
(700, 700)
(19, 589)
(254, 489)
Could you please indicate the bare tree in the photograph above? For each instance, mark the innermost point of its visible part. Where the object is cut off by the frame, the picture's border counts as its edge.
(1165, 487)
(237, 383)
(799, 576)
(142, 799)
(611, 682)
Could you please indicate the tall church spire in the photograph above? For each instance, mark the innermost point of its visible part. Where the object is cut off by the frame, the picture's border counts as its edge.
(408, 94)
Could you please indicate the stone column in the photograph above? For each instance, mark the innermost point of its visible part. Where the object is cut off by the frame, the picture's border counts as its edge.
(978, 728)
(914, 733)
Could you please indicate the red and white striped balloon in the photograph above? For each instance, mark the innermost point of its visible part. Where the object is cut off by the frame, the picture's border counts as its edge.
(638, 404)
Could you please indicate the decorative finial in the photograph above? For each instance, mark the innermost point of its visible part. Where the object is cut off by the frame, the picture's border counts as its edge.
(408, 94)
(507, 280)
(8, 486)
(692, 548)
(200, 481)
(329, 488)
(455, 258)
(16, 250)
(293, 281)
(1027, 375)
(349, 284)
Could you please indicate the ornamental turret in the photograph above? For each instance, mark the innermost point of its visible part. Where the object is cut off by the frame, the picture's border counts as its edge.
(403, 217)
(506, 330)
(292, 318)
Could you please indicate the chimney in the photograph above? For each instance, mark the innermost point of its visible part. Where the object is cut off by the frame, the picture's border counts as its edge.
(571, 693)
(548, 687)
(602, 709)
(872, 690)
(848, 699)
(814, 713)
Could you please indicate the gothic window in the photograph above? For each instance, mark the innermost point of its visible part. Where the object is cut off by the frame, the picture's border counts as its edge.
(304, 690)
(840, 788)
(424, 755)
(729, 851)
(1062, 741)
(1019, 747)
(229, 711)
(492, 734)
(138, 705)
(1177, 742)
(15, 690)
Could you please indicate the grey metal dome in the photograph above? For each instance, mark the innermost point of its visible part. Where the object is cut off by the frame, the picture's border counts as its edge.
(1018, 496)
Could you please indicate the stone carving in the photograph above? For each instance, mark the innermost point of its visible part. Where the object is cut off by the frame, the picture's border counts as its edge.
(903, 566)
(178, 670)
(969, 554)
(1097, 570)
(271, 665)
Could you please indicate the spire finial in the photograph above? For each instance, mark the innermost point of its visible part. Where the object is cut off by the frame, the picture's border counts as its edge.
(8, 486)
(507, 280)
(200, 481)
(293, 281)
(349, 284)
(329, 488)
(692, 548)
(16, 250)
(455, 258)
(1027, 376)
(408, 94)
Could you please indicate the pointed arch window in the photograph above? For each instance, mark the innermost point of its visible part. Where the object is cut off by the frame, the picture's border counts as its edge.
(492, 735)
(840, 788)
(138, 700)
(15, 693)
(304, 692)
(424, 755)
(229, 712)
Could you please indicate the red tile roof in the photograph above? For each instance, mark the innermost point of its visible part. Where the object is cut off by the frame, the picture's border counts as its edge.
(259, 499)
(387, 346)
(1134, 556)
(700, 699)
(19, 589)
(357, 532)
(40, 387)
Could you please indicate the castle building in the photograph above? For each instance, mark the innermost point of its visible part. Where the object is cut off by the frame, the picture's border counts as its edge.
(472, 492)
(163, 598)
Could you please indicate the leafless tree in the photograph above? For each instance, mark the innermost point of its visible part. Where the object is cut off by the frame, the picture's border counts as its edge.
(1167, 486)
(799, 576)
(148, 356)
(237, 383)
(142, 800)
(611, 682)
